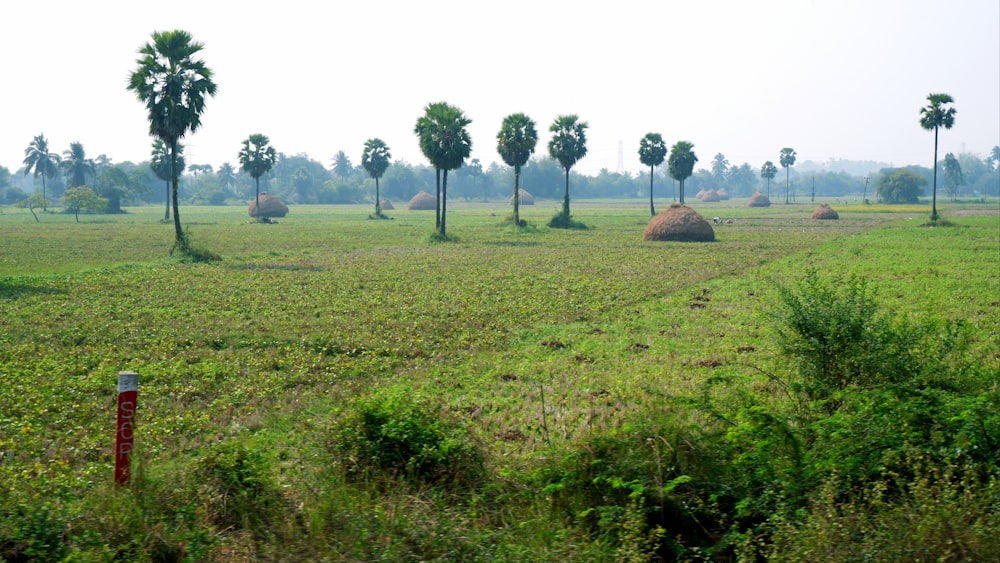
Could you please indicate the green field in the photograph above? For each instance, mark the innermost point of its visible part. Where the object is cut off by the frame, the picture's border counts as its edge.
(339, 388)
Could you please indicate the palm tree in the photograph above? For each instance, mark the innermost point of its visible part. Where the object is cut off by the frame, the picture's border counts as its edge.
(652, 151)
(445, 141)
(342, 165)
(568, 145)
(516, 142)
(39, 161)
(76, 165)
(227, 176)
(375, 160)
(933, 117)
(174, 86)
(681, 163)
(720, 167)
(786, 159)
(768, 171)
(163, 166)
(257, 157)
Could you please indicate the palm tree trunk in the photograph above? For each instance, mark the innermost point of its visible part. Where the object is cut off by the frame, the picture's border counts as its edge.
(437, 198)
(566, 198)
(444, 202)
(166, 201)
(652, 210)
(45, 200)
(517, 196)
(256, 197)
(682, 192)
(378, 200)
(934, 214)
(178, 233)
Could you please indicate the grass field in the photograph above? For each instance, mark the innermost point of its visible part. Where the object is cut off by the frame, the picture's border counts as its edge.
(339, 388)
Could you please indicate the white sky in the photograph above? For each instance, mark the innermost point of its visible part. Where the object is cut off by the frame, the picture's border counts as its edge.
(830, 78)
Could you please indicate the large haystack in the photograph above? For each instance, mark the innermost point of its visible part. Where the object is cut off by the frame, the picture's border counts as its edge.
(824, 211)
(758, 199)
(681, 223)
(385, 204)
(710, 196)
(523, 198)
(270, 206)
(422, 202)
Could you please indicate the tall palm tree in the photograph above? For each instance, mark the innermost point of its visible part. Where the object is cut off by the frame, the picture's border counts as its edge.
(227, 176)
(445, 141)
(786, 159)
(39, 161)
(163, 167)
(933, 117)
(257, 157)
(76, 165)
(768, 171)
(425, 130)
(681, 163)
(375, 160)
(174, 86)
(568, 145)
(516, 142)
(652, 151)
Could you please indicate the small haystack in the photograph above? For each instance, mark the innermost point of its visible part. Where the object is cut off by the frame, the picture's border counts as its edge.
(758, 199)
(824, 211)
(523, 198)
(385, 204)
(681, 223)
(700, 194)
(710, 196)
(270, 206)
(422, 202)
(723, 194)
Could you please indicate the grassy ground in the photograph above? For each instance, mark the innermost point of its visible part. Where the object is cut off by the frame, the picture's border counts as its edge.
(521, 345)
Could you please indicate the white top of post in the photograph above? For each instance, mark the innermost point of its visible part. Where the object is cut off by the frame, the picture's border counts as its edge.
(128, 381)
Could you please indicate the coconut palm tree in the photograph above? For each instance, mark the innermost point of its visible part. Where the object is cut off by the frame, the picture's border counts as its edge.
(174, 86)
(516, 142)
(786, 159)
(681, 163)
(932, 117)
(768, 171)
(425, 131)
(375, 160)
(568, 145)
(76, 165)
(227, 176)
(445, 141)
(39, 161)
(257, 157)
(652, 151)
(162, 165)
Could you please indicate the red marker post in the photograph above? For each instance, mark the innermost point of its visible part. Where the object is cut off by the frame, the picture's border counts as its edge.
(128, 397)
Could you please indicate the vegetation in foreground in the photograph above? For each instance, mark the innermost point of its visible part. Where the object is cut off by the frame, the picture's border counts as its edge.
(338, 388)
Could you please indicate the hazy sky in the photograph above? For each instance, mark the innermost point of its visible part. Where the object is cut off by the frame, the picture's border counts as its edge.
(830, 78)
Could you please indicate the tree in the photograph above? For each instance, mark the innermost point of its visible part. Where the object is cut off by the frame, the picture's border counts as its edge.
(227, 176)
(516, 142)
(952, 175)
(994, 156)
(174, 86)
(375, 160)
(768, 171)
(681, 163)
(342, 165)
(34, 201)
(82, 198)
(932, 117)
(743, 178)
(568, 145)
(163, 163)
(76, 165)
(787, 160)
(652, 152)
(445, 141)
(40, 162)
(720, 168)
(900, 186)
(119, 181)
(257, 157)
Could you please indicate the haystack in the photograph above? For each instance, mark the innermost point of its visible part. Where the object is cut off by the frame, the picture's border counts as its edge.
(270, 206)
(422, 202)
(385, 204)
(523, 198)
(824, 211)
(700, 194)
(758, 199)
(681, 223)
(710, 196)
(723, 194)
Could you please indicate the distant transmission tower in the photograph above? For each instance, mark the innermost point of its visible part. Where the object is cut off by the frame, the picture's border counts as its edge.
(621, 159)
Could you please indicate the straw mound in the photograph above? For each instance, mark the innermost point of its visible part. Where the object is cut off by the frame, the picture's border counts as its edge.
(270, 206)
(710, 195)
(523, 198)
(824, 211)
(723, 194)
(385, 204)
(681, 223)
(758, 199)
(421, 202)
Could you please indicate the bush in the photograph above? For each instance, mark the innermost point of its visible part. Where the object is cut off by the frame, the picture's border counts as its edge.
(237, 487)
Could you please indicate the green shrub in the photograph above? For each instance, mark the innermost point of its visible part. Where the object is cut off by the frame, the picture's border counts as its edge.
(237, 487)
(393, 434)
(563, 220)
